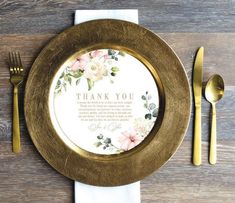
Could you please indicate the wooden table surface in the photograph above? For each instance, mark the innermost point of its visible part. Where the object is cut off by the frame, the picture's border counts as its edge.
(27, 26)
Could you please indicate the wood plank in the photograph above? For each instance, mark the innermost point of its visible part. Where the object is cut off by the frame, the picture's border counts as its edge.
(28, 178)
(185, 45)
(163, 15)
(219, 51)
(179, 181)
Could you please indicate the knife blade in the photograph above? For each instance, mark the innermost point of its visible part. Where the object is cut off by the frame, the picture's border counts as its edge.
(197, 90)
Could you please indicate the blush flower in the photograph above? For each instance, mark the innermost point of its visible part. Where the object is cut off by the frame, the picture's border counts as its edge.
(129, 139)
(96, 53)
(80, 62)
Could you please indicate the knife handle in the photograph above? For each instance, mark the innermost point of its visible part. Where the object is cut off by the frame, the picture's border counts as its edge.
(197, 137)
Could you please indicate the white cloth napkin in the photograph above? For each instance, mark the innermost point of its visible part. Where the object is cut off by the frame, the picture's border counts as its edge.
(93, 194)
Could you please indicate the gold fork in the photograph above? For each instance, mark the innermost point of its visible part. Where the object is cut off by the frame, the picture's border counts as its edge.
(16, 77)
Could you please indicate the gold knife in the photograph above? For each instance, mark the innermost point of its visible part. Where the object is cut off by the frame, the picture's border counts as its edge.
(197, 89)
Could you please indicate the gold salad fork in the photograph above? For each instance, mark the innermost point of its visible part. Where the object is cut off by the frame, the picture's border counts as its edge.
(16, 77)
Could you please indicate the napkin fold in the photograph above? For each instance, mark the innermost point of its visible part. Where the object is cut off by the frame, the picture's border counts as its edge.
(123, 14)
(94, 194)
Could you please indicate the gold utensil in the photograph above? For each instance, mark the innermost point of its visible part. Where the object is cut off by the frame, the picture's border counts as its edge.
(197, 89)
(214, 91)
(16, 77)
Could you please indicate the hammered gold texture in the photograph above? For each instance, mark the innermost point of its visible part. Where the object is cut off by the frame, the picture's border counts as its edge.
(164, 139)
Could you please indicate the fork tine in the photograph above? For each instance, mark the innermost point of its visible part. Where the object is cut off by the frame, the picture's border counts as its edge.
(10, 60)
(15, 63)
(16, 60)
(19, 60)
(13, 59)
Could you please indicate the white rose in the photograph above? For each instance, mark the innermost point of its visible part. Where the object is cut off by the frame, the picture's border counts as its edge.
(95, 70)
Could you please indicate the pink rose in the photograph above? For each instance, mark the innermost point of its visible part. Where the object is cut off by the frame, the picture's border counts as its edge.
(80, 62)
(106, 56)
(96, 53)
(129, 139)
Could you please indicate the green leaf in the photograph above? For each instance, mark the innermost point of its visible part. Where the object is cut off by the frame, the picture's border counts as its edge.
(121, 53)
(114, 69)
(152, 106)
(70, 80)
(77, 74)
(107, 140)
(77, 81)
(155, 112)
(58, 92)
(65, 86)
(66, 78)
(97, 144)
(58, 82)
(62, 75)
(143, 97)
(148, 116)
(111, 52)
(90, 84)
(100, 136)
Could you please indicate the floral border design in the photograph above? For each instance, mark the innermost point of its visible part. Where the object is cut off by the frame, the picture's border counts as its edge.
(134, 136)
(93, 66)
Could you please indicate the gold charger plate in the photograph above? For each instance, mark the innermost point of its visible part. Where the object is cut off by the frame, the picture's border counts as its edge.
(174, 105)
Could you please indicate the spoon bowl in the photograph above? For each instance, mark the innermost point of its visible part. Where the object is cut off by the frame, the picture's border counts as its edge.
(214, 91)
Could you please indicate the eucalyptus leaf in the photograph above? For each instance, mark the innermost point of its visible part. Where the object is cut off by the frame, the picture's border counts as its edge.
(111, 52)
(148, 116)
(143, 97)
(107, 140)
(100, 136)
(152, 106)
(155, 113)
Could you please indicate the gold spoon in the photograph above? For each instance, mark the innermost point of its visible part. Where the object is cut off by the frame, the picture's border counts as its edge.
(214, 91)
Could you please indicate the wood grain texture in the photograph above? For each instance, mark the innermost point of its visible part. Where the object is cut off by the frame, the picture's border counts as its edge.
(28, 178)
(28, 25)
(43, 16)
